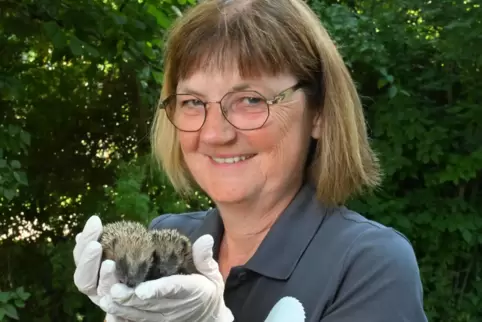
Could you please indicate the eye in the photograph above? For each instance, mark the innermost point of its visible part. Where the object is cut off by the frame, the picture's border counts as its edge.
(251, 100)
(143, 267)
(192, 103)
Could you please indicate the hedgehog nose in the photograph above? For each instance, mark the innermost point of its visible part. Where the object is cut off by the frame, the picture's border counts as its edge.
(130, 283)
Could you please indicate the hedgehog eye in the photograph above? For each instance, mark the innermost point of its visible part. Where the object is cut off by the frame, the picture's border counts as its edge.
(122, 265)
(143, 267)
(173, 259)
(155, 257)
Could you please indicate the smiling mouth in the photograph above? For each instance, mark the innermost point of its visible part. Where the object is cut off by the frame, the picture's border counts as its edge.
(233, 159)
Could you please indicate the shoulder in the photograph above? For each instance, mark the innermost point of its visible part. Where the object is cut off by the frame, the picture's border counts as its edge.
(352, 236)
(371, 248)
(372, 240)
(379, 277)
(186, 223)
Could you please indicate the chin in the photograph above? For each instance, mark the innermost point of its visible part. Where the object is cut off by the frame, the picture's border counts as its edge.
(228, 194)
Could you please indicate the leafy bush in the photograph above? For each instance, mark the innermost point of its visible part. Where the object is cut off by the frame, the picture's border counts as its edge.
(417, 66)
(10, 301)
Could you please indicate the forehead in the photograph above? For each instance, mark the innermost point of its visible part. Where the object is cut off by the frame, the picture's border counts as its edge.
(220, 81)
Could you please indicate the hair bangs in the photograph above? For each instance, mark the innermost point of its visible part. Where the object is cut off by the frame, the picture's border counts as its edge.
(251, 43)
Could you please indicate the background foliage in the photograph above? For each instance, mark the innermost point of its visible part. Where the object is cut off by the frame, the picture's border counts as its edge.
(79, 80)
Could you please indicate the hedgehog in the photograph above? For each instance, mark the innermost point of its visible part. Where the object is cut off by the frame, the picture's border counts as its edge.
(142, 255)
(131, 247)
(172, 255)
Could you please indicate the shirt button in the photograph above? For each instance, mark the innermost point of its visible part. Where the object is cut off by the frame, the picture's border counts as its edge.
(243, 276)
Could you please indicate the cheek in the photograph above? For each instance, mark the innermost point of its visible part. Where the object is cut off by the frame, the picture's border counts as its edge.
(188, 141)
(285, 134)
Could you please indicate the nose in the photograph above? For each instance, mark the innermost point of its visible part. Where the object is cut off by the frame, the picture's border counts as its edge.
(132, 282)
(216, 129)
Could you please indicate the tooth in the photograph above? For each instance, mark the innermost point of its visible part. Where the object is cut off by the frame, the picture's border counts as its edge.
(230, 160)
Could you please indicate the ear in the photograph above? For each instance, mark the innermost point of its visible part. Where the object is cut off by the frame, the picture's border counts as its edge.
(316, 126)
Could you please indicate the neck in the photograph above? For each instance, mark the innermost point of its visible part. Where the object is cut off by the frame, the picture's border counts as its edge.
(246, 224)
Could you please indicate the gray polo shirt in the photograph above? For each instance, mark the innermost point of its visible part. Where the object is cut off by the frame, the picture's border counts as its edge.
(341, 266)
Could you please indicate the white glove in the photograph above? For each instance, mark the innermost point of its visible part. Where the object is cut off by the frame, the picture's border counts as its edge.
(179, 298)
(87, 258)
(288, 309)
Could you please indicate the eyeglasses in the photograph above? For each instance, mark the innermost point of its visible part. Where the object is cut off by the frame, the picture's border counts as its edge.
(245, 110)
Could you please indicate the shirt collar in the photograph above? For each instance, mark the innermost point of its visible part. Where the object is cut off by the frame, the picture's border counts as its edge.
(212, 225)
(285, 243)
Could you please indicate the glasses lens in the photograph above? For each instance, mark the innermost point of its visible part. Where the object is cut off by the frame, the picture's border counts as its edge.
(245, 110)
(186, 112)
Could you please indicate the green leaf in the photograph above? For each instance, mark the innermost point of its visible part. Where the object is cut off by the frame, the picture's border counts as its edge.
(11, 311)
(76, 46)
(15, 164)
(13, 130)
(3, 163)
(381, 82)
(403, 222)
(4, 297)
(467, 235)
(55, 34)
(50, 27)
(25, 137)
(21, 177)
(161, 18)
(2, 313)
(9, 193)
(119, 19)
(22, 294)
(19, 303)
(91, 50)
(139, 24)
(392, 91)
(158, 77)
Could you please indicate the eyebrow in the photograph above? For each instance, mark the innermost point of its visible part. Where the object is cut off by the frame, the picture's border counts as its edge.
(239, 87)
(187, 90)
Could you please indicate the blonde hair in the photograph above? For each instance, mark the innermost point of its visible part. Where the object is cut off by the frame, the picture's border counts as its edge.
(270, 37)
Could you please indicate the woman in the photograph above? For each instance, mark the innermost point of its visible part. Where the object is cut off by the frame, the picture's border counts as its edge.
(259, 111)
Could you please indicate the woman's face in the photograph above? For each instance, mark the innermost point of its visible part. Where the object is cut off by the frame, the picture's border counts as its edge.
(276, 151)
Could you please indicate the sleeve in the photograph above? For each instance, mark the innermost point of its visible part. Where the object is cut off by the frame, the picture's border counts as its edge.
(381, 281)
(186, 223)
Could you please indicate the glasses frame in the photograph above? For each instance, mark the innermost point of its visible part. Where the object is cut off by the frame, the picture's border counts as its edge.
(275, 100)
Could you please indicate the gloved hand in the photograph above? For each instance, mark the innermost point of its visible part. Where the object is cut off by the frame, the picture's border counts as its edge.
(179, 298)
(193, 298)
(87, 257)
(288, 309)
